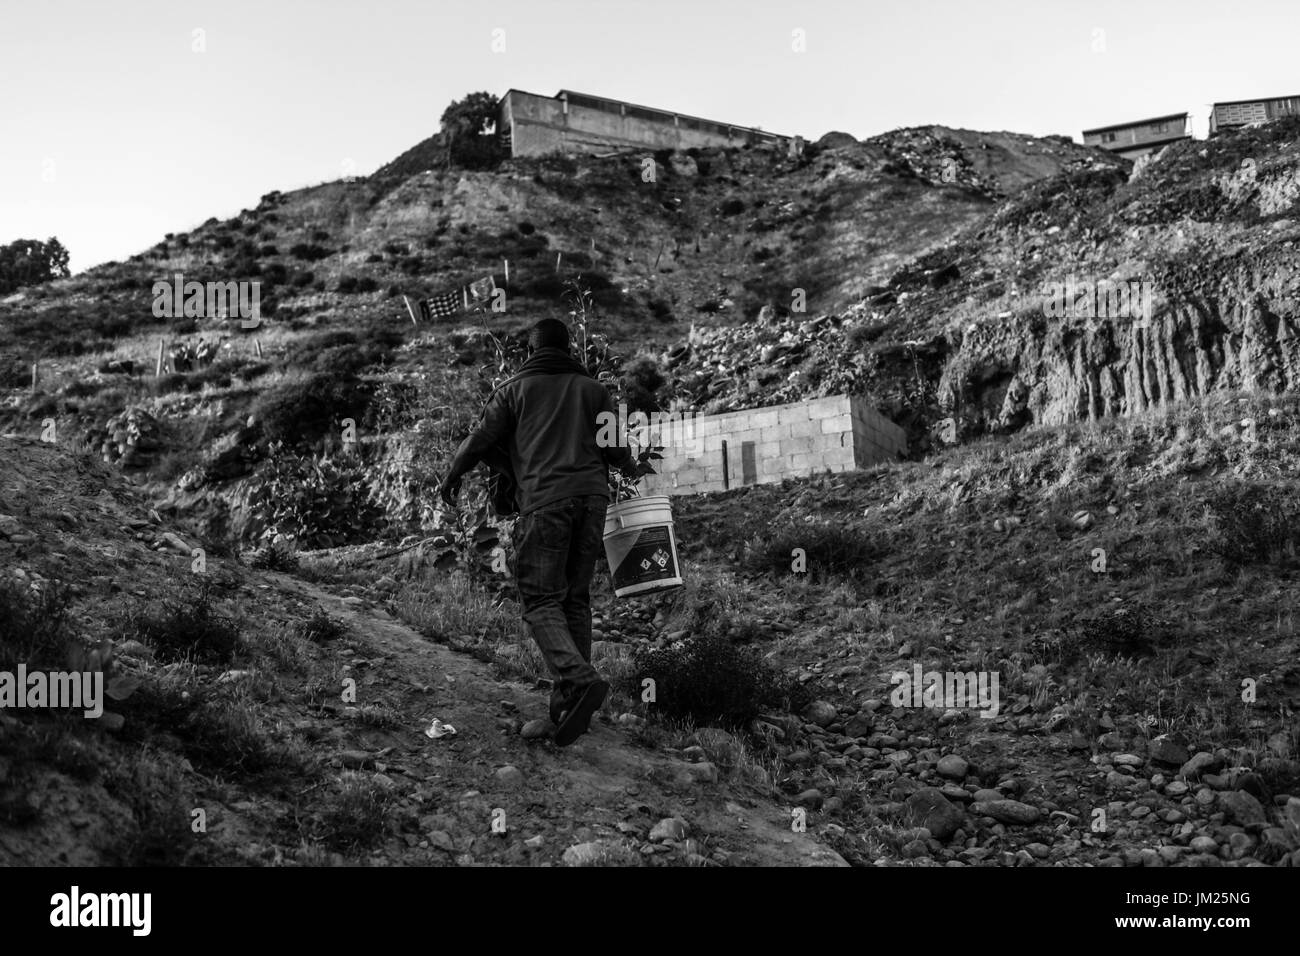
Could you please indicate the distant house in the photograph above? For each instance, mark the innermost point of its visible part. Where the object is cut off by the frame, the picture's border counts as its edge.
(1247, 112)
(570, 122)
(1138, 138)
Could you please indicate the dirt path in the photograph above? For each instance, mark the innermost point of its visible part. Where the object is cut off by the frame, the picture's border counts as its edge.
(605, 789)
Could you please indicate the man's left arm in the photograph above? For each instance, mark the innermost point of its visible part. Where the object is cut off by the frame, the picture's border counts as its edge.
(497, 424)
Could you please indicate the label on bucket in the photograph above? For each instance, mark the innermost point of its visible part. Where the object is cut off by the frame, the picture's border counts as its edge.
(650, 558)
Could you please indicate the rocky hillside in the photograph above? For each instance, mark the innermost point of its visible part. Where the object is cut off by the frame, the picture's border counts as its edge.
(294, 709)
(966, 331)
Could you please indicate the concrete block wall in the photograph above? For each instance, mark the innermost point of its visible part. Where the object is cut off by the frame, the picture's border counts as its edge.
(765, 445)
(875, 437)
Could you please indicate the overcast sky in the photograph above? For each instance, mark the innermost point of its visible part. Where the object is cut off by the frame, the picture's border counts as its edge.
(119, 122)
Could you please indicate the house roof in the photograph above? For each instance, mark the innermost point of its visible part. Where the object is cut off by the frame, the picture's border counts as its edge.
(1144, 122)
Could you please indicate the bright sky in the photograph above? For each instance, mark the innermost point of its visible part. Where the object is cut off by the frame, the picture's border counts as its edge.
(122, 120)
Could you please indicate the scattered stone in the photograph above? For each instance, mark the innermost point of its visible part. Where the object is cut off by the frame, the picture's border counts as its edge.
(1241, 807)
(1201, 763)
(1007, 811)
(820, 712)
(669, 828)
(929, 808)
(537, 729)
(601, 853)
(1168, 749)
(859, 725)
(512, 778)
(809, 798)
(953, 767)
(356, 759)
(693, 773)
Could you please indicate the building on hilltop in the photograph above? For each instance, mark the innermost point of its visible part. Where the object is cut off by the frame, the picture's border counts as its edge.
(570, 122)
(1237, 113)
(1140, 137)
(764, 445)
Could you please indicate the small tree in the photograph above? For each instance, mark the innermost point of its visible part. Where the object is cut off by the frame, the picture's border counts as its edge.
(31, 262)
(469, 128)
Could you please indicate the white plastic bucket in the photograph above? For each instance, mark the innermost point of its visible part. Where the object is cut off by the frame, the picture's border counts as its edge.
(641, 547)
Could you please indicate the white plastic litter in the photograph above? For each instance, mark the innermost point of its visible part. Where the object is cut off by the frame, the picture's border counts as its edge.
(439, 729)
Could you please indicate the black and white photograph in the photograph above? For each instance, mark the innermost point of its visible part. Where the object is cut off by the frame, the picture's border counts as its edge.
(781, 435)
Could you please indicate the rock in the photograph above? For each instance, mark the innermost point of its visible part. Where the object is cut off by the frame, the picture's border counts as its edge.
(1201, 763)
(537, 729)
(915, 849)
(953, 767)
(986, 794)
(134, 649)
(669, 828)
(820, 712)
(601, 853)
(512, 778)
(1126, 760)
(703, 772)
(356, 759)
(929, 808)
(1241, 807)
(1170, 749)
(809, 798)
(1007, 811)
(535, 843)
(859, 725)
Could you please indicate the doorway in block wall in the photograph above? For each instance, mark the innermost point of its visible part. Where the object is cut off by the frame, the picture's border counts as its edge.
(748, 466)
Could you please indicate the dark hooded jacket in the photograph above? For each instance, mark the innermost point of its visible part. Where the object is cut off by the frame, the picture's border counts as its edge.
(538, 433)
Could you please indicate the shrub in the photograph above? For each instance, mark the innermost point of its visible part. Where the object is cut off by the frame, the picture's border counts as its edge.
(321, 628)
(641, 380)
(358, 816)
(301, 412)
(308, 251)
(32, 626)
(349, 284)
(708, 680)
(316, 501)
(187, 628)
(830, 549)
(1256, 524)
(274, 557)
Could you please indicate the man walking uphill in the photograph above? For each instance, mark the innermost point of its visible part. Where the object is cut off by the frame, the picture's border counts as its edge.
(541, 427)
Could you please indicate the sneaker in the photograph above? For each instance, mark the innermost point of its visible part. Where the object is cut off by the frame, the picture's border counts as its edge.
(575, 721)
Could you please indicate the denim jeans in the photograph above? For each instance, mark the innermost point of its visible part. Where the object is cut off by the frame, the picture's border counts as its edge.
(556, 550)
